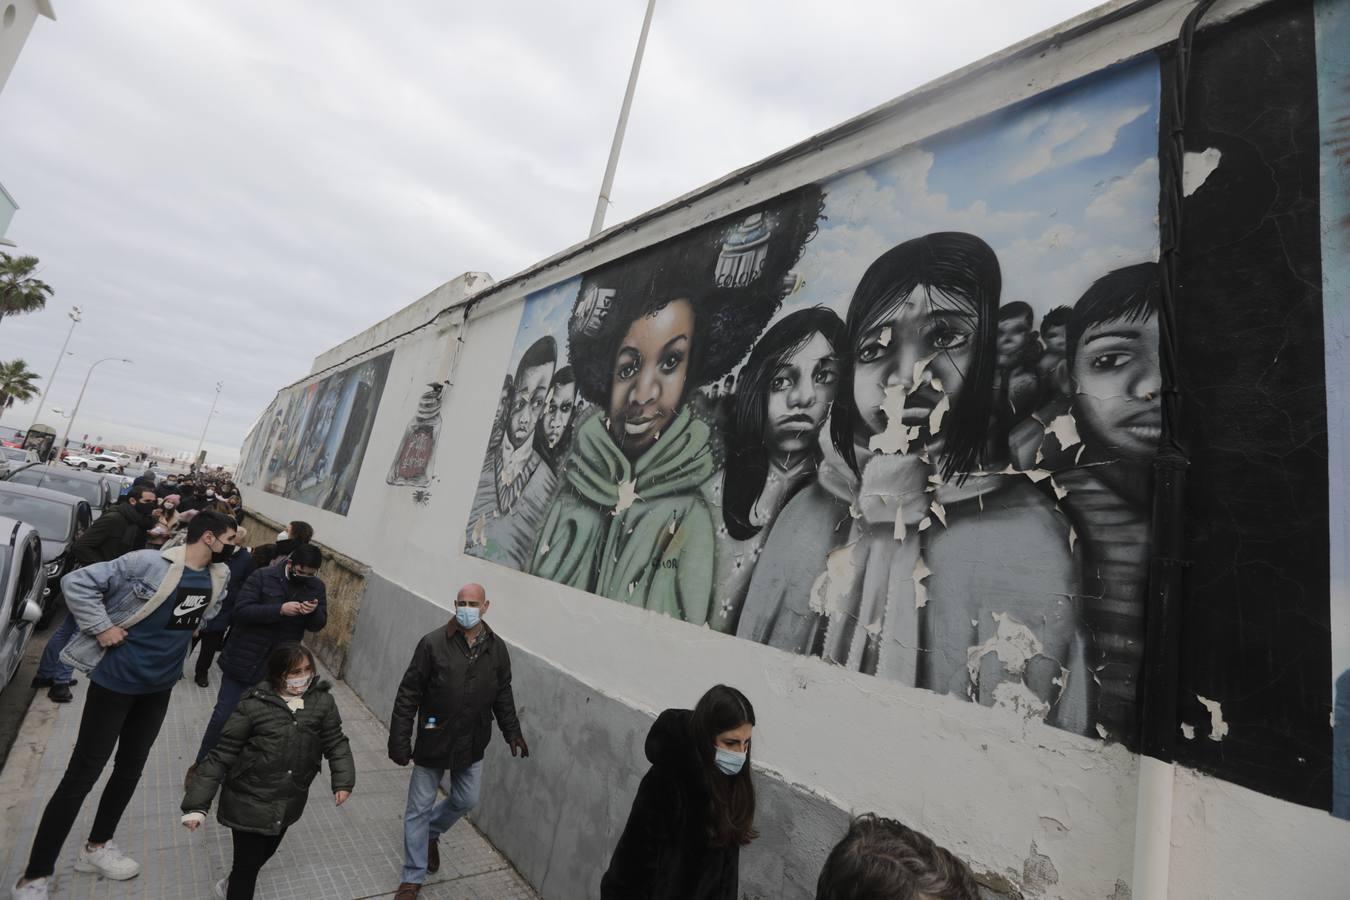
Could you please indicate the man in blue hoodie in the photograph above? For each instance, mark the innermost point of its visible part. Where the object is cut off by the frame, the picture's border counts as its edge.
(136, 615)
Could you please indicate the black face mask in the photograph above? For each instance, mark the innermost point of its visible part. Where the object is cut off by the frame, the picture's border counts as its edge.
(224, 554)
(295, 577)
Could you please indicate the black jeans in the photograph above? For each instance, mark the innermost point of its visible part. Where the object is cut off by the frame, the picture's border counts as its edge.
(209, 645)
(129, 722)
(251, 851)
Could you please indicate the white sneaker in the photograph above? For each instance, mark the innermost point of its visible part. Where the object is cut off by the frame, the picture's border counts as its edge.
(107, 861)
(33, 890)
(221, 887)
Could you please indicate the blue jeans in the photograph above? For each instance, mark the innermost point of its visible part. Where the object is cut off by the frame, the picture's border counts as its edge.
(51, 666)
(425, 819)
(227, 698)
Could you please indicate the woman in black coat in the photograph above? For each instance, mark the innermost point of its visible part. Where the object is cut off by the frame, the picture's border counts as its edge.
(695, 808)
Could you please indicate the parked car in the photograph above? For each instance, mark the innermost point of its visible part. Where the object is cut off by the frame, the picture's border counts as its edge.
(59, 519)
(85, 485)
(20, 591)
(100, 462)
(13, 457)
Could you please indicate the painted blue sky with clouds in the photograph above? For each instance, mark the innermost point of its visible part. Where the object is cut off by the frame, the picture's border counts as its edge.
(1064, 187)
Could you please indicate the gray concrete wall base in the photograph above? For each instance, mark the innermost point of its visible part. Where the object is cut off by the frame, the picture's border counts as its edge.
(558, 814)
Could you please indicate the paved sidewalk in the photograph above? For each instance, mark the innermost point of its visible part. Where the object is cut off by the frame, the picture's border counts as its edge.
(346, 853)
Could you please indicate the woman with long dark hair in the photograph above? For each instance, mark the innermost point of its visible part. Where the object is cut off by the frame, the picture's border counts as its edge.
(785, 392)
(695, 808)
(930, 556)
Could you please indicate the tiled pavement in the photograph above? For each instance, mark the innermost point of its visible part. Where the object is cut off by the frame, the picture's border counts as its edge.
(332, 853)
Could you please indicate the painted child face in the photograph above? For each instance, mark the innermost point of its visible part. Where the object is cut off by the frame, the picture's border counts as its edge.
(1056, 339)
(801, 391)
(527, 402)
(939, 330)
(561, 402)
(1013, 335)
(1117, 385)
(650, 370)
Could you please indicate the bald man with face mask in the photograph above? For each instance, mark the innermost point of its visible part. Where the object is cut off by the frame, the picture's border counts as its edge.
(441, 724)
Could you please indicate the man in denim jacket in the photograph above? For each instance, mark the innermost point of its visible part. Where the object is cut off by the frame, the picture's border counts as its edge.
(136, 615)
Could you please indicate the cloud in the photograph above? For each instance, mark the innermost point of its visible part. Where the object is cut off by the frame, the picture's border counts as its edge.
(1050, 140)
(1128, 195)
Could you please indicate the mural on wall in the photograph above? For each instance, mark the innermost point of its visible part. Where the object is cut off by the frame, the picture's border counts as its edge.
(900, 420)
(1333, 76)
(416, 455)
(311, 442)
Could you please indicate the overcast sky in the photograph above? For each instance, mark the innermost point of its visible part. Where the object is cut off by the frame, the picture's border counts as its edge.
(227, 190)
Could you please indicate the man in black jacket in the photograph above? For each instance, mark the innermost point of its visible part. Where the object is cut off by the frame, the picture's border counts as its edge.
(277, 604)
(120, 530)
(459, 678)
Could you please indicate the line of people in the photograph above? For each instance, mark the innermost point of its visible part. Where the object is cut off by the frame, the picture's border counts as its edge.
(138, 614)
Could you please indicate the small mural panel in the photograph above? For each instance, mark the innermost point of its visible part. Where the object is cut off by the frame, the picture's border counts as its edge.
(901, 420)
(311, 442)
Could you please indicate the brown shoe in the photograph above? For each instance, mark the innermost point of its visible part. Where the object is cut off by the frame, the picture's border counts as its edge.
(187, 779)
(408, 891)
(433, 856)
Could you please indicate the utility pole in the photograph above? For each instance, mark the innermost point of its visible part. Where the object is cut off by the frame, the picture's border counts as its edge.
(602, 202)
(76, 411)
(74, 320)
(198, 455)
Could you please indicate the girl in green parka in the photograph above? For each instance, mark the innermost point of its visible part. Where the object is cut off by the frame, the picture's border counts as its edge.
(630, 521)
(268, 754)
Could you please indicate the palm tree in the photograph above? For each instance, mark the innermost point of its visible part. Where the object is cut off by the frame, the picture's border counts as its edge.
(16, 383)
(20, 292)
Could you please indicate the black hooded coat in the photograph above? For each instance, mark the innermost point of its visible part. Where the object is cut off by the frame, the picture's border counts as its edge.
(664, 852)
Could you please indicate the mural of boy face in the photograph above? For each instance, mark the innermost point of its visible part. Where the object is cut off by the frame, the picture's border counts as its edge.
(1117, 384)
(1014, 334)
(649, 376)
(1056, 339)
(527, 402)
(800, 393)
(920, 327)
(561, 403)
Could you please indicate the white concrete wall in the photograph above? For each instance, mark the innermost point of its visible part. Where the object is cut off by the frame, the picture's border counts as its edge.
(16, 21)
(1051, 812)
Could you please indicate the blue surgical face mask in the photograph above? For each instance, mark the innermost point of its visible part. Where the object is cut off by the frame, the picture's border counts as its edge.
(467, 616)
(729, 761)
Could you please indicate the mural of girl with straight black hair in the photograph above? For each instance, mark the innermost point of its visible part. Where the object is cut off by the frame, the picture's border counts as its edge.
(785, 391)
(630, 521)
(925, 557)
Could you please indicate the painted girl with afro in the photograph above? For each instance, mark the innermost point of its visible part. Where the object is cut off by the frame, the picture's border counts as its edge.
(630, 522)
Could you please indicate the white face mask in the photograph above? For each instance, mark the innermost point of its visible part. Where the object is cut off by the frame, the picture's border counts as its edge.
(299, 684)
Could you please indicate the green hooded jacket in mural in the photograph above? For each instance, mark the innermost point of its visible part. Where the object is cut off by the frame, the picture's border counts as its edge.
(640, 533)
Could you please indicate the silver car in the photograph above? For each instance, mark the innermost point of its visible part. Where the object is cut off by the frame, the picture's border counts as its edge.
(21, 583)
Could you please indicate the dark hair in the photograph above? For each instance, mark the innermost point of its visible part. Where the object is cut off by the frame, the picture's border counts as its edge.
(731, 799)
(553, 455)
(205, 521)
(1129, 294)
(747, 464)
(1056, 318)
(962, 268)
(543, 352)
(285, 657)
(301, 532)
(732, 302)
(1017, 310)
(881, 859)
(307, 555)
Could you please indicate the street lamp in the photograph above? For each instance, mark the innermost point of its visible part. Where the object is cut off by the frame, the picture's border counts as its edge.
(76, 411)
(198, 454)
(74, 320)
